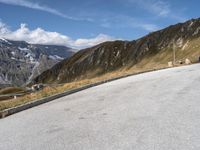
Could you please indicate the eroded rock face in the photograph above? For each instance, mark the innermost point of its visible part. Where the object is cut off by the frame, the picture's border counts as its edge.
(111, 56)
(21, 61)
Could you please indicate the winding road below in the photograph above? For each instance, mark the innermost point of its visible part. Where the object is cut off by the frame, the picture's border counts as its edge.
(152, 111)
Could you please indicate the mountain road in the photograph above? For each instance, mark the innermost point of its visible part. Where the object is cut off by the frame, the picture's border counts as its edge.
(152, 111)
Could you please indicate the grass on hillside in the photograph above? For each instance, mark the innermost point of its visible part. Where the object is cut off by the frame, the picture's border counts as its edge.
(11, 90)
(48, 91)
(148, 63)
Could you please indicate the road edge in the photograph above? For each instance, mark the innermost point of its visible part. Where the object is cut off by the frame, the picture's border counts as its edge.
(11, 111)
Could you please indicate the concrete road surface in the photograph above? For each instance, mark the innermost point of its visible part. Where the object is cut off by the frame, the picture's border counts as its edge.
(152, 111)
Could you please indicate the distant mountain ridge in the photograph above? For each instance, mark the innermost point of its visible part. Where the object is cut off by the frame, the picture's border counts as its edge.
(21, 61)
(154, 49)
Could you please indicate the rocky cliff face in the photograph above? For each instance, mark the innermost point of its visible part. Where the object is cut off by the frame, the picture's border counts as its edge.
(20, 61)
(109, 56)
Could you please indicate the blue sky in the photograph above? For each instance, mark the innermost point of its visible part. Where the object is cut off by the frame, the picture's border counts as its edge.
(79, 23)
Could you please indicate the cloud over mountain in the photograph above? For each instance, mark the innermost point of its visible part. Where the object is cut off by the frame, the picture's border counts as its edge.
(41, 36)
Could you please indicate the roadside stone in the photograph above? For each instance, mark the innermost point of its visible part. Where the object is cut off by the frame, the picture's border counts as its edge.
(170, 64)
(187, 61)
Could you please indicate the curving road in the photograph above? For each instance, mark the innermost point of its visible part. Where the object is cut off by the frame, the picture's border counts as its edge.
(152, 111)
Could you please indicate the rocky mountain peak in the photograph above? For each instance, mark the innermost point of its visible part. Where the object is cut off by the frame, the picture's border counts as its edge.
(154, 48)
(21, 61)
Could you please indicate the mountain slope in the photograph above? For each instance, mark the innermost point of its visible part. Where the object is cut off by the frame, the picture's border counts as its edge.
(21, 61)
(154, 49)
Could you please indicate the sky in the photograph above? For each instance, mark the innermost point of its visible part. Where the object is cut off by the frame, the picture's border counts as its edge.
(85, 23)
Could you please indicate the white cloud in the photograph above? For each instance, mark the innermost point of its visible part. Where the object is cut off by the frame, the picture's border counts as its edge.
(3, 28)
(121, 21)
(37, 6)
(93, 41)
(40, 36)
(149, 27)
(158, 7)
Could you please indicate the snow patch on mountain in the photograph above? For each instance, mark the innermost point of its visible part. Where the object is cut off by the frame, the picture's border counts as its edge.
(21, 61)
(23, 49)
(56, 57)
(13, 53)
